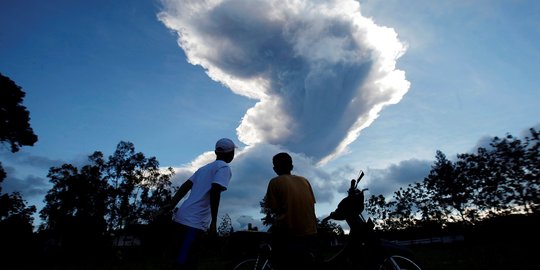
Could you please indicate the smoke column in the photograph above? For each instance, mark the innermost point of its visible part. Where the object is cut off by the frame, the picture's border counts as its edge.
(319, 71)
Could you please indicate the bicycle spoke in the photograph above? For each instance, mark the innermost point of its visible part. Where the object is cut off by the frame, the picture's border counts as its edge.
(253, 264)
(397, 262)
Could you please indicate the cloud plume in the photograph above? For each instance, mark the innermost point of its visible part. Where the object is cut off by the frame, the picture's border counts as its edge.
(319, 71)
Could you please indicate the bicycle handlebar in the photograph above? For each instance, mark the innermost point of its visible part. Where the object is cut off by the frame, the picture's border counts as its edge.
(352, 192)
(354, 182)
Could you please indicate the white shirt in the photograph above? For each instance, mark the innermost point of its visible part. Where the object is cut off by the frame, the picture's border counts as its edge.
(195, 211)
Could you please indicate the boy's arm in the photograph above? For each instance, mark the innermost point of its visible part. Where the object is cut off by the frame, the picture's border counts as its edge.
(182, 191)
(215, 197)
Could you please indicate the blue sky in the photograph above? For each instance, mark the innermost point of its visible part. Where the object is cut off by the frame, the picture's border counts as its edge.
(342, 85)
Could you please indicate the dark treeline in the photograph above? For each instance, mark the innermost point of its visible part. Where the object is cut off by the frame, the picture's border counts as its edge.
(127, 188)
(495, 183)
(16, 230)
(88, 208)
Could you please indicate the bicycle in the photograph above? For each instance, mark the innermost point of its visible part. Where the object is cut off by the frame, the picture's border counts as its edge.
(363, 250)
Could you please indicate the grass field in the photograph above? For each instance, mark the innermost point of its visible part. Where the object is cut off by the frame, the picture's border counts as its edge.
(456, 256)
(465, 256)
(493, 254)
(477, 255)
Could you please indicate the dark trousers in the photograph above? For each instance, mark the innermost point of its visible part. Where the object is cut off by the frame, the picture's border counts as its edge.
(186, 246)
(293, 252)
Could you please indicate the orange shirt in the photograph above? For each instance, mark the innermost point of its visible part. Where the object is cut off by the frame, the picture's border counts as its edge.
(292, 199)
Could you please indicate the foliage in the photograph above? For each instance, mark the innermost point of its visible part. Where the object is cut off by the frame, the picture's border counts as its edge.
(106, 195)
(16, 218)
(2, 175)
(329, 228)
(13, 210)
(15, 130)
(16, 229)
(269, 215)
(138, 188)
(77, 197)
(498, 180)
(225, 226)
(14, 117)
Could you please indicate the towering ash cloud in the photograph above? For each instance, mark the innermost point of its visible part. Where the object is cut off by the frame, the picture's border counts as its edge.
(320, 71)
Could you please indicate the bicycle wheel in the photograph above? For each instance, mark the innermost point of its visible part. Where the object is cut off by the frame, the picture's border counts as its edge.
(253, 264)
(396, 262)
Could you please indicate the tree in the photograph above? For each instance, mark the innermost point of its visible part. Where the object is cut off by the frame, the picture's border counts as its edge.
(498, 180)
(449, 187)
(2, 176)
(75, 209)
(14, 117)
(402, 215)
(508, 175)
(225, 226)
(13, 209)
(377, 209)
(269, 215)
(16, 229)
(329, 228)
(15, 130)
(138, 186)
(77, 198)
(107, 195)
(531, 177)
(329, 233)
(16, 221)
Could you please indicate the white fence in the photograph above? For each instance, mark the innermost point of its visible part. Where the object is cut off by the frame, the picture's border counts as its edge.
(432, 240)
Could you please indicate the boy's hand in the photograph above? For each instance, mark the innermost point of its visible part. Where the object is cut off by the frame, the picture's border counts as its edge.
(212, 231)
(165, 210)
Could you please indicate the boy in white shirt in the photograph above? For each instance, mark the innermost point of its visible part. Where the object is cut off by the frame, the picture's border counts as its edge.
(199, 211)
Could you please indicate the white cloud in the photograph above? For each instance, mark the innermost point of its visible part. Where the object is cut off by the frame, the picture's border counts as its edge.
(321, 72)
